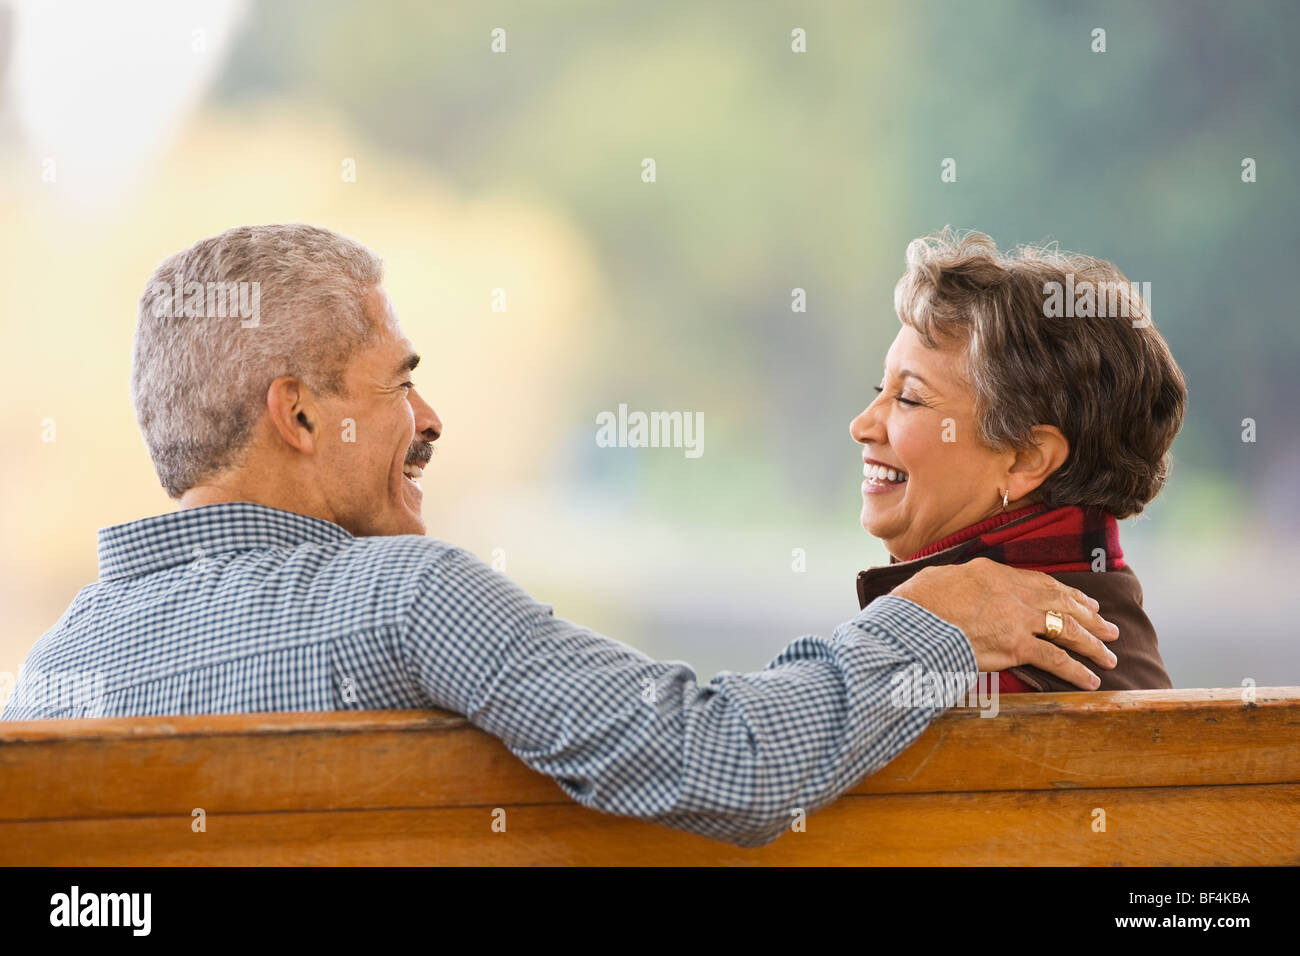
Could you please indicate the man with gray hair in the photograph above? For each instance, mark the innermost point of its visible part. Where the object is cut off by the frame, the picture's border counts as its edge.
(295, 576)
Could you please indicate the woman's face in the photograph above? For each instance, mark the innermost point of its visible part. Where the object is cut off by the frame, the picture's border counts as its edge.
(922, 426)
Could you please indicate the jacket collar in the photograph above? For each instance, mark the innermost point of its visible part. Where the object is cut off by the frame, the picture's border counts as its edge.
(876, 582)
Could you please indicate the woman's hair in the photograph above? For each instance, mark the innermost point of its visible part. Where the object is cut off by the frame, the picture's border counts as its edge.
(1052, 338)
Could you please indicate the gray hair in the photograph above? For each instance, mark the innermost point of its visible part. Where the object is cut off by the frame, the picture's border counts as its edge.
(200, 370)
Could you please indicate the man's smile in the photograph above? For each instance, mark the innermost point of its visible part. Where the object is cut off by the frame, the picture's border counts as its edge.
(417, 456)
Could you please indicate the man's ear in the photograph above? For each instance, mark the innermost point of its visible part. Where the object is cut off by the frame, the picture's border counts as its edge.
(292, 412)
(1035, 464)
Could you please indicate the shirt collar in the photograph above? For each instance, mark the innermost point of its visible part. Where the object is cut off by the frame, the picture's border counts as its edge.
(164, 541)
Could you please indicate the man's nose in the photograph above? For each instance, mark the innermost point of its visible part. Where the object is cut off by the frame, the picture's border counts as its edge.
(427, 423)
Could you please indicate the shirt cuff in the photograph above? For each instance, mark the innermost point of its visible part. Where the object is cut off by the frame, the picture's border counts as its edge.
(936, 644)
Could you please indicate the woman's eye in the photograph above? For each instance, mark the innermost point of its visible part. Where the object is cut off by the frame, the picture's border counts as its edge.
(408, 385)
(899, 398)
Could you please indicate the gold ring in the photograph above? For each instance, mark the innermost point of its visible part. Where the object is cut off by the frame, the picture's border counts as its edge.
(1055, 624)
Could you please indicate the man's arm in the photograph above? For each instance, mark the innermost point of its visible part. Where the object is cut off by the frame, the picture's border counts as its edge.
(626, 734)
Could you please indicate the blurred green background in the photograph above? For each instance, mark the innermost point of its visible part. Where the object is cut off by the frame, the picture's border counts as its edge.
(127, 133)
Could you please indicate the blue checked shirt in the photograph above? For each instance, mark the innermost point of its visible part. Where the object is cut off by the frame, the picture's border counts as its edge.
(236, 608)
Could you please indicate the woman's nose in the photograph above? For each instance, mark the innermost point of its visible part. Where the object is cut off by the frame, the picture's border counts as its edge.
(866, 427)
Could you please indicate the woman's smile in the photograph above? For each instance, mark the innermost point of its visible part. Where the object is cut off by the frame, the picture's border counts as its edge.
(881, 478)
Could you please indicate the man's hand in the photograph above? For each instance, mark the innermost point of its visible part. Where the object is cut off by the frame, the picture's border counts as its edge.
(1002, 609)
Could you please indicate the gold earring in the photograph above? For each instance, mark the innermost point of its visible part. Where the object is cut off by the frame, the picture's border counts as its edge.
(1005, 494)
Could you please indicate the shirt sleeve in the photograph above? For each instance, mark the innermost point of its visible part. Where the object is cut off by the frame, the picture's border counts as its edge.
(734, 759)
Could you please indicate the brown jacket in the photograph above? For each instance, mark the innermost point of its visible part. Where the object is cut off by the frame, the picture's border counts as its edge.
(1118, 592)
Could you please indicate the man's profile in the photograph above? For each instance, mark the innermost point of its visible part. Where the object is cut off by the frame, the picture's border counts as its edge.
(295, 575)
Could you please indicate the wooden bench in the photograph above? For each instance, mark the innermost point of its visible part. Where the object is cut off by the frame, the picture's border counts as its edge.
(1182, 777)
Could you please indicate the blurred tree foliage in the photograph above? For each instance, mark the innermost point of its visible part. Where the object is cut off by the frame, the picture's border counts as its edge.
(779, 170)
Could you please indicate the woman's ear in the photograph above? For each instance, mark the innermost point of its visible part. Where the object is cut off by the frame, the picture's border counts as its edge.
(1035, 464)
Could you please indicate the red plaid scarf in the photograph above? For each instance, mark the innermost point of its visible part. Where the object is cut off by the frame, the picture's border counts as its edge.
(1052, 541)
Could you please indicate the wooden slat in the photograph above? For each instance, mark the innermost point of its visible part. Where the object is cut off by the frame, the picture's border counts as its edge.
(353, 760)
(403, 758)
(1114, 739)
(1193, 777)
(1202, 826)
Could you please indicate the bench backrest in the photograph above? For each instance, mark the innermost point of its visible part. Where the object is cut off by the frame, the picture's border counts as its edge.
(1198, 777)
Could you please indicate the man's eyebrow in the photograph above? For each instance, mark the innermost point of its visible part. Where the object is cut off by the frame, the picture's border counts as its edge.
(409, 364)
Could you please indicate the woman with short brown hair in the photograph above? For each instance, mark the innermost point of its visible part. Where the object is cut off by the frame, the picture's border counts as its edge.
(1028, 403)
